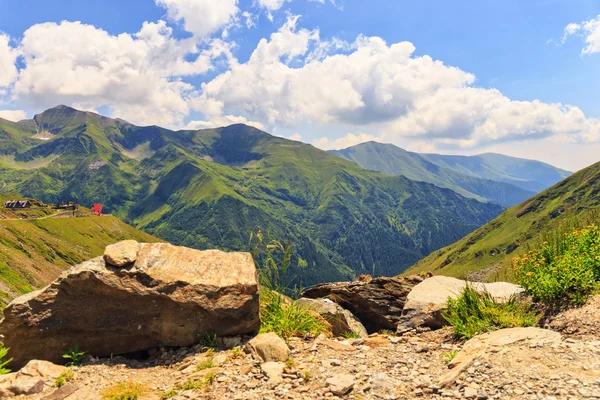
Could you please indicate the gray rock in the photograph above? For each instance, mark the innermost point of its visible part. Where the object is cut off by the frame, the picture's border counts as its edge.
(270, 347)
(273, 370)
(341, 320)
(340, 384)
(426, 301)
(122, 253)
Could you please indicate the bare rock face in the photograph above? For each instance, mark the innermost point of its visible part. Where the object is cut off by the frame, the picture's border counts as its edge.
(169, 296)
(427, 300)
(376, 302)
(341, 320)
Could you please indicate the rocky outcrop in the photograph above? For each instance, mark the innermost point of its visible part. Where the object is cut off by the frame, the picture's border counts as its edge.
(33, 378)
(341, 320)
(427, 300)
(169, 296)
(122, 253)
(377, 302)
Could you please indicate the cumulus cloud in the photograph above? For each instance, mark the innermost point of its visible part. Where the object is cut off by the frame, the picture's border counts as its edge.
(201, 17)
(8, 57)
(13, 115)
(295, 77)
(349, 140)
(222, 121)
(589, 31)
(137, 76)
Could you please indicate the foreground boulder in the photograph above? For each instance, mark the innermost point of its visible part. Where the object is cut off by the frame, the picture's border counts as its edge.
(33, 378)
(168, 296)
(270, 347)
(427, 300)
(376, 302)
(341, 320)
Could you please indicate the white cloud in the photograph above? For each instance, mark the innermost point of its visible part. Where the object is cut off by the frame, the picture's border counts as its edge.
(294, 77)
(8, 57)
(13, 115)
(295, 136)
(201, 17)
(349, 140)
(137, 76)
(222, 121)
(589, 30)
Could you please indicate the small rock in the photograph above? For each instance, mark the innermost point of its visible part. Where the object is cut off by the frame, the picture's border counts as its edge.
(340, 384)
(122, 253)
(270, 347)
(273, 370)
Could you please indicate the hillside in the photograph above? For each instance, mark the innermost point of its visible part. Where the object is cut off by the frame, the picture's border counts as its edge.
(488, 177)
(490, 249)
(212, 188)
(33, 253)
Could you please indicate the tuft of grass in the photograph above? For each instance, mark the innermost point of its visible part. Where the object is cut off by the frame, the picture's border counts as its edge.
(288, 320)
(350, 335)
(169, 394)
(64, 378)
(307, 375)
(473, 313)
(563, 269)
(289, 363)
(208, 362)
(209, 340)
(196, 384)
(236, 352)
(3, 360)
(74, 356)
(124, 391)
(448, 356)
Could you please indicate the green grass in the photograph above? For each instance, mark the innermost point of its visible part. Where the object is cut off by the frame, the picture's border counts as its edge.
(4, 360)
(493, 246)
(124, 391)
(473, 313)
(565, 269)
(65, 377)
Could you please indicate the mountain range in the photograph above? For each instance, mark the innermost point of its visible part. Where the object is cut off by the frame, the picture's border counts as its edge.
(488, 251)
(211, 188)
(487, 177)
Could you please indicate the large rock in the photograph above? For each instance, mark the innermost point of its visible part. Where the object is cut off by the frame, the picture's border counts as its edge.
(341, 320)
(377, 302)
(33, 378)
(270, 347)
(122, 253)
(427, 300)
(170, 296)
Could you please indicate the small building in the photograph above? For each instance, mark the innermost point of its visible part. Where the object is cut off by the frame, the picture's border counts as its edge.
(97, 209)
(17, 204)
(66, 205)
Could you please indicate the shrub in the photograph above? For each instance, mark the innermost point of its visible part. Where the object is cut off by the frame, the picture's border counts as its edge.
(74, 355)
(288, 320)
(3, 361)
(473, 313)
(63, 378)
(124, 391)
(566, 269)
(209, 340)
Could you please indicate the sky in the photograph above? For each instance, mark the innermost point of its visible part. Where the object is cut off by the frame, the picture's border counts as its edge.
(518, 77)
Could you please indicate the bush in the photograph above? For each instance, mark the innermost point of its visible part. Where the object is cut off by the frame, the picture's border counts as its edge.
(124, 391)
(288, 320)
(3, 361)
(473, 313)
(566, 269)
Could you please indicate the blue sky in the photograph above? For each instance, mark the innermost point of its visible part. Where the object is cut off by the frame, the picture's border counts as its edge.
(516, 76)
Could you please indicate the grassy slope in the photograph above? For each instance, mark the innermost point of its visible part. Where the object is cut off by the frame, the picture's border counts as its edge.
(33, 253)
(488, 177)
(212, 188)
(496, 243)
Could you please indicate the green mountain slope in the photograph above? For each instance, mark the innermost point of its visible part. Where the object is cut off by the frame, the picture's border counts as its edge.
(33, 253)
(490, 177)
(490, 249)
(212, 188)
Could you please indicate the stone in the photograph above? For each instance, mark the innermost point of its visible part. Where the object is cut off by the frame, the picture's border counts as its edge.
(341, 320)
(169, 297)
(33, 378)
(270, 347)
(122, 253)
(470, 393)
(273, 370)
(494, 342)
(341, 384)
(376, 302)
(427, 300)
(63, 392)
